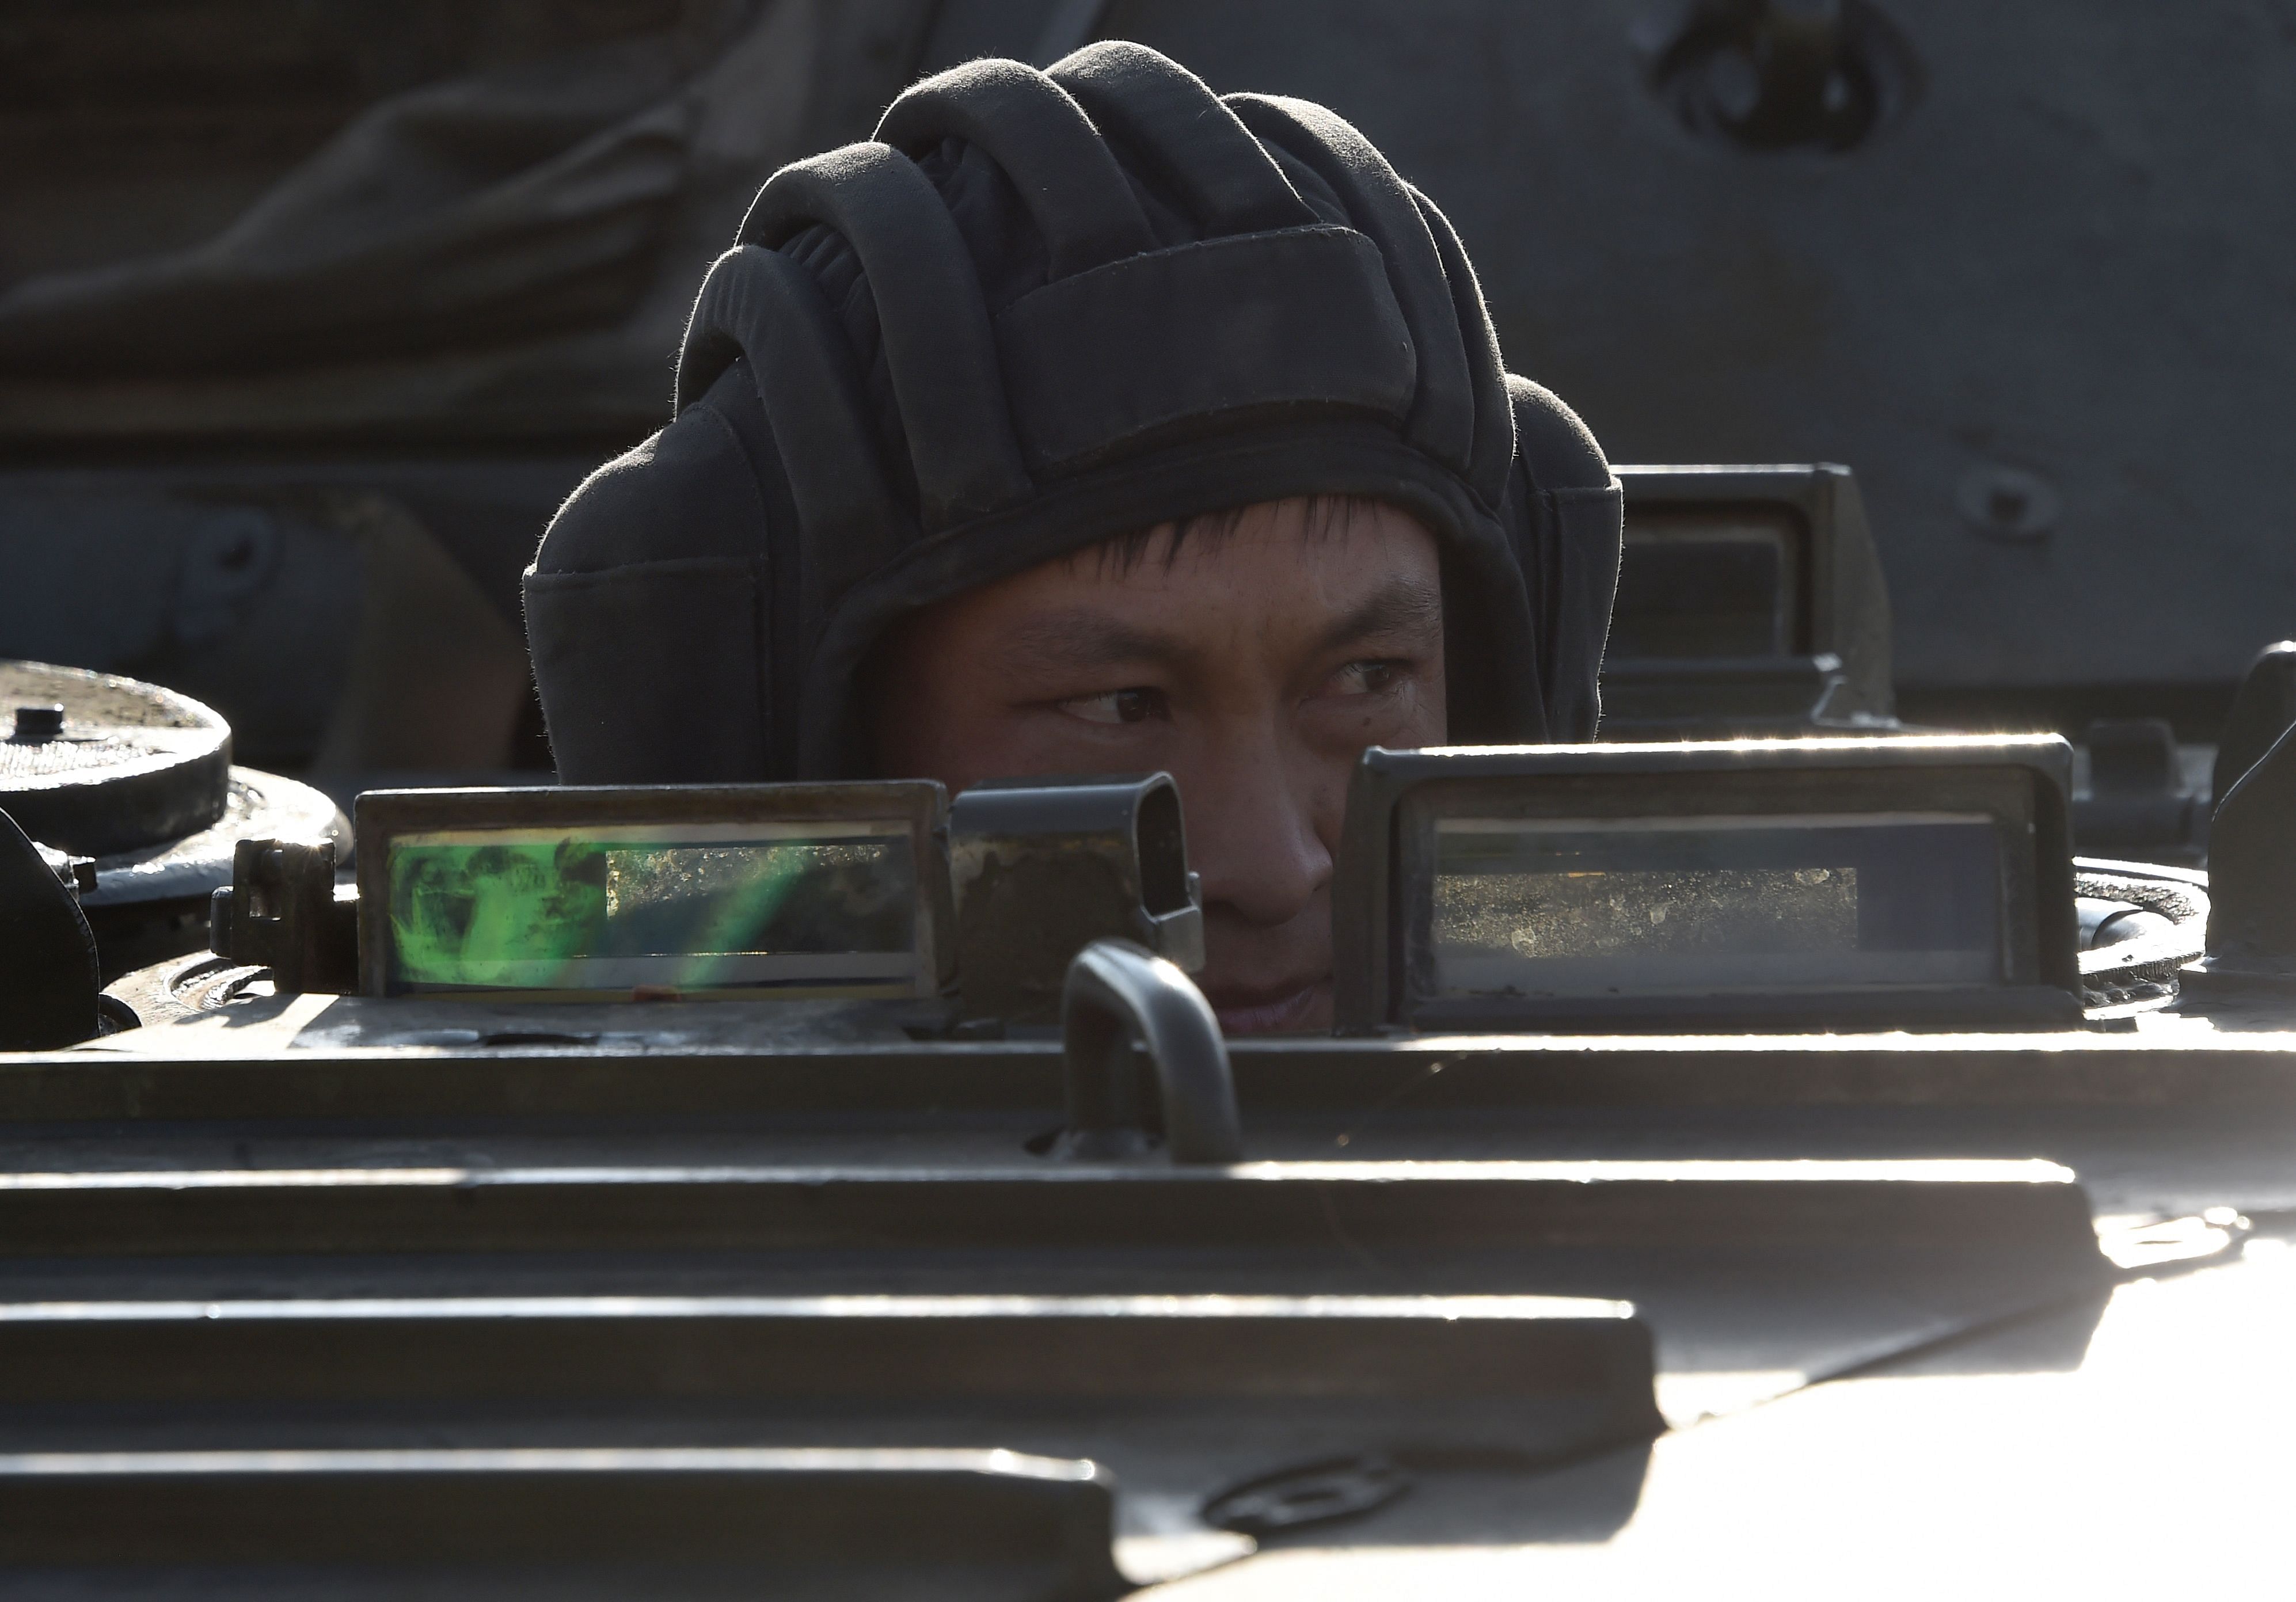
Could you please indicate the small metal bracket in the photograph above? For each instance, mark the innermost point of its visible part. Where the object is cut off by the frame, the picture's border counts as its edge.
(2252, 877)
(2262, 711)
(75, 873)
(2138, 805)
(282, 911)
(1121, 1000)
(1042, 867)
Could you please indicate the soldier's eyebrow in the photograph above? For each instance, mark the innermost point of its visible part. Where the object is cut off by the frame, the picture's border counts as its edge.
(1402, 609)
(1084, 640)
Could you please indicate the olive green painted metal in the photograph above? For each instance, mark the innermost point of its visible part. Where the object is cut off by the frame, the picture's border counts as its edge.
(651, 1520)
(1042, 867)
(1750, 600)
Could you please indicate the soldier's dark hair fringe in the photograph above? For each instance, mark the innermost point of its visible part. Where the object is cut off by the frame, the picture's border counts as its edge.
(1325, 517)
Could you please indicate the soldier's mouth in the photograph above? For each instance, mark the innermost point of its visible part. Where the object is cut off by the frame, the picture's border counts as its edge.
(1298, 1009)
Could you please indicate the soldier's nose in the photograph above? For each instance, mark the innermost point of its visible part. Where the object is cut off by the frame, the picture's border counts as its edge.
(1252, 836)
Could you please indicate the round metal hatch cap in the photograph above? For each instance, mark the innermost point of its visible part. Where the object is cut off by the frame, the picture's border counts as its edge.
(124, 765)
(262, 806)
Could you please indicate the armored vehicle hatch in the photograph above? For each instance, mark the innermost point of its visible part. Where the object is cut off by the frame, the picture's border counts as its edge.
(591, 1142)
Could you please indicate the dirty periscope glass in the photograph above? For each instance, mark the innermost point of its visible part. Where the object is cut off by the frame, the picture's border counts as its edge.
(794, 909)
(1581, 907)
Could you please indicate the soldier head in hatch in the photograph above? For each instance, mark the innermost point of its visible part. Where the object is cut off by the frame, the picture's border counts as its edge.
(1085, 420)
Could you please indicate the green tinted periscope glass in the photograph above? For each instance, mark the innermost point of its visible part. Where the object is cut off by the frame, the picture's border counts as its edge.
(1588, 907)
(808, 909)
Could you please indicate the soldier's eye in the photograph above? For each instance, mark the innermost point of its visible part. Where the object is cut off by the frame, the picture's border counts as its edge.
(1372, 677)
(1135, 706)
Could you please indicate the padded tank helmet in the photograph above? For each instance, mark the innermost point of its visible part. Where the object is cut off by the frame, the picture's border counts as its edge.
(1040, 310)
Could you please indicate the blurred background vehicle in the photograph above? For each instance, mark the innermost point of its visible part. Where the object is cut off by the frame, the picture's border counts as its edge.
(309, 315)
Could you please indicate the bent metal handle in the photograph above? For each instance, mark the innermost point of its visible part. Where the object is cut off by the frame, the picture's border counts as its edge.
(1117, 996)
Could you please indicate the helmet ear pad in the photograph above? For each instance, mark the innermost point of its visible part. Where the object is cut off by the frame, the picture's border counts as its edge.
(652, 614)
(1566, 513)
(1042, 310)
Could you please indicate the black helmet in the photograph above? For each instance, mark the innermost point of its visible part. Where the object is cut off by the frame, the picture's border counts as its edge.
(1038, 310)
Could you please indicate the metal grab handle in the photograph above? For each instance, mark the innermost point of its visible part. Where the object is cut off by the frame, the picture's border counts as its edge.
(1117, 996)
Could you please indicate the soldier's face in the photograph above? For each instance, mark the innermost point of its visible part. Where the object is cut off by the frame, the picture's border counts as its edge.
(1253, 666)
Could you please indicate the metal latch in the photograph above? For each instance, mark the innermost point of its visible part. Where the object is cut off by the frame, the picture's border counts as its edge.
(1120, 1004)
(284, 911)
